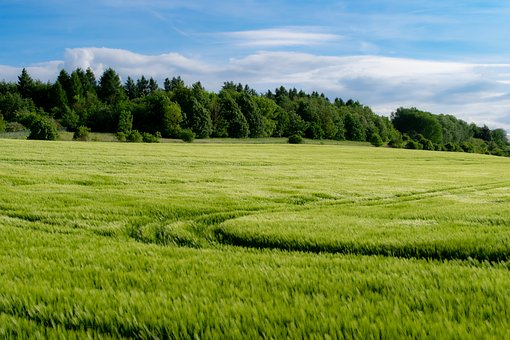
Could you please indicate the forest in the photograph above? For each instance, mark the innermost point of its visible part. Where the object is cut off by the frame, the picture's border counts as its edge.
(142, 111)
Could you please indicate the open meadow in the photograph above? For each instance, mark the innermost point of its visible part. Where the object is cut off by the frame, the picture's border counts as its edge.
(178, 240)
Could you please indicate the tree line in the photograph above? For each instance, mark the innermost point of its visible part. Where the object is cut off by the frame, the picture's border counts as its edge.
(142, 110)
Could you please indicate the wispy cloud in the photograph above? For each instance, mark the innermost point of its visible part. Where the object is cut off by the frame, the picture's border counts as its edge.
(474, 92)
(278, 37)
(128, 63)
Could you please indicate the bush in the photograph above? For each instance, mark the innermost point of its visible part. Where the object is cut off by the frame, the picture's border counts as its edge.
(148, 138)
(134, 137)
(376, 140)
(15, 127)
(187, 135)
(295, 139)
(121, 136)
(467, 147)
(2, 123)
(427, 144)
(414, 145)
(453, 147)
(82, 133)
(43, 128)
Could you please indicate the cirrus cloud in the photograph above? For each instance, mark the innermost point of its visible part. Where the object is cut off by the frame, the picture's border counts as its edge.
(280, 37)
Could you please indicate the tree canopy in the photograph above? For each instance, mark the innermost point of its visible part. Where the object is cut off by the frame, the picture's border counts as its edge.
(76, 100)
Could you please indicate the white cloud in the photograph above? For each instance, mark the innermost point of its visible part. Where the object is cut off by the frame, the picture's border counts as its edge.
(43, 71)
(278, 37)
(128, 63)
(474, 92)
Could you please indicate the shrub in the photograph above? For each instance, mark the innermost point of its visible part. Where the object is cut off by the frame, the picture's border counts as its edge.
(121, 136)
(15, 127)
(134, 137)
(396, 141)
(467, 147)
(427, 144)
(376, 140)
(453, 147)
(295, 139)
(43, 128)
(187, 135)
(148, 138)
(82, 133)
(412, 144)
(2, 123)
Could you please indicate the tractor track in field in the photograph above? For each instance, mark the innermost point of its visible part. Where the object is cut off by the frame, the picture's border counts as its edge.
(410, 197)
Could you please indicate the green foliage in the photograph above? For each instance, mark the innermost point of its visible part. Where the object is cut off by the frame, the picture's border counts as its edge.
(121, 136)
(25, 84)
(254, 118)
(376, 140)
(295, 139)
(454, 130)
(187, 135)
(14, 127)
(2, 123)
(12, 103)
(237, 125)
(134, 137)
(467, 147)
(237, 111)
(43, 128)
(413, 145)
(424, 142)
(396, 140)
(413, 121)
(149, 138)
(103, 118)
(499, 137)
(70, 119)
(155, 112)
(82, 134)
(355, 129)
(125, 124)
(110, 89)
(200, 118)
(453, 147)
(130, 89)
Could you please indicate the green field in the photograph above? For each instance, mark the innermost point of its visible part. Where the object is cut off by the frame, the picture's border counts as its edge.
(229, 240)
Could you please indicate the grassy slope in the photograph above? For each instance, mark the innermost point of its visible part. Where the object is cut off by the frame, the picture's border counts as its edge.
(129, 240)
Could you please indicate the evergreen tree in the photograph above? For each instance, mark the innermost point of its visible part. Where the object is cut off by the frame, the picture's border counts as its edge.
(58, 98)
(110, 89)
(142, 87)
(130, 89)
(76, 89)
(153, 85)
(25, 84)
(65, 80)
(91, 80)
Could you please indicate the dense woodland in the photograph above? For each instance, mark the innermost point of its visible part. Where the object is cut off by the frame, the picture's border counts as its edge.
(141, 110)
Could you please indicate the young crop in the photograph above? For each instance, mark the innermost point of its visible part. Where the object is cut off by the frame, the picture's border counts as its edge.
(194, 240)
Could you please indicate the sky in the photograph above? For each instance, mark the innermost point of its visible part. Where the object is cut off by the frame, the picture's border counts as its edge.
(441, 56)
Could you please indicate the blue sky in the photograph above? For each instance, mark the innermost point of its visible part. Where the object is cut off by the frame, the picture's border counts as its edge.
(444, 56)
